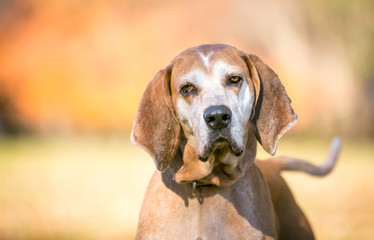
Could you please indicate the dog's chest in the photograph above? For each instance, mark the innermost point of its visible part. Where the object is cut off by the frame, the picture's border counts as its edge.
(172, 213)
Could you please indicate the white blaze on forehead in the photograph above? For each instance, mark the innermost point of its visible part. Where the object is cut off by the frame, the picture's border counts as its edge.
(205, 59)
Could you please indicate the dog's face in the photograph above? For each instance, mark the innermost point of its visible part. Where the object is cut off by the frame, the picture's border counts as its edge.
(211, 95)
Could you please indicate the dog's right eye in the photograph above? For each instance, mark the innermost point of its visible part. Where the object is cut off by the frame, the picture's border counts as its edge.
(187, 89)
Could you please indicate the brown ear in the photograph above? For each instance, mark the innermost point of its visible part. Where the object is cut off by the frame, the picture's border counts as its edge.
(273, 114)
(156, 128)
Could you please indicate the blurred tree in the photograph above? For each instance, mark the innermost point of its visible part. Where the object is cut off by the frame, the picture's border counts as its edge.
(64, 62)
(353, 23)
(9, 123)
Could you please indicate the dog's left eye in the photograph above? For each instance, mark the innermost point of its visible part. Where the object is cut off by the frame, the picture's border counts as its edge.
(234, 80)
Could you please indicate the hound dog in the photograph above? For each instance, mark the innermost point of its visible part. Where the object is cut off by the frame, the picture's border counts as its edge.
(200, 119)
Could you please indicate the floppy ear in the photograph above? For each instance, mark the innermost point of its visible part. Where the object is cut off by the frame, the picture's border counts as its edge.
(156, 128)
(273, 114)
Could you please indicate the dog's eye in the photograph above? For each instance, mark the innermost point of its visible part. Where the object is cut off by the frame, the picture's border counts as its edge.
(234, 80)
(187, 89)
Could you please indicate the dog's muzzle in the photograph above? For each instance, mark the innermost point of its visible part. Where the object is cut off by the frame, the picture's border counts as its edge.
(218, 119)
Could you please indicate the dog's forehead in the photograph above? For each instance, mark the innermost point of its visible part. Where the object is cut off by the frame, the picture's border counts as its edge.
(204, 58)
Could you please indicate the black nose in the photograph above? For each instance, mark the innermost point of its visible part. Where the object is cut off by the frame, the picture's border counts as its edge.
(217, 117)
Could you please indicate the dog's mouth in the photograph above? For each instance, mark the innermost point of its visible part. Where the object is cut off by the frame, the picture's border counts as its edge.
(218, 141)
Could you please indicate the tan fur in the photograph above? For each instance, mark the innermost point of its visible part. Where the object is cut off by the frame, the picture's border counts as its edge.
(193, 168)
(236, 197)
(162, 142)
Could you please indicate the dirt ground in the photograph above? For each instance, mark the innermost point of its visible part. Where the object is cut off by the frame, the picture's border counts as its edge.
(92, 187)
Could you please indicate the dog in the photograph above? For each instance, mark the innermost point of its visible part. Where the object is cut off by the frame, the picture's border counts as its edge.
(200, 119)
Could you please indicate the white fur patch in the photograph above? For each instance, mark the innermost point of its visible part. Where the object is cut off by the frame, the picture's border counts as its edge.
(205, 59)
(241, 107)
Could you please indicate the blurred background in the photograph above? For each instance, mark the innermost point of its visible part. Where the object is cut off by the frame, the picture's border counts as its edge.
(72, 73)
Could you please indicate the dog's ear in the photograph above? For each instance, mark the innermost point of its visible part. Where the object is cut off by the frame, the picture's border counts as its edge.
(272, 114)
(156, 128)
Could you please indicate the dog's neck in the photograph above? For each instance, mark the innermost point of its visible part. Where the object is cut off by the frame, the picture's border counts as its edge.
(224, 171)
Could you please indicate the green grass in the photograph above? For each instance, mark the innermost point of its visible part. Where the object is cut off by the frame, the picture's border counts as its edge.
(92, 187)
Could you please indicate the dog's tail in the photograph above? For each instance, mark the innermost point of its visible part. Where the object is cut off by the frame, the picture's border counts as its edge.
(286, 163)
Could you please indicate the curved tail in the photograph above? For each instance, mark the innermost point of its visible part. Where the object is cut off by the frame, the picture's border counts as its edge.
(286, 163)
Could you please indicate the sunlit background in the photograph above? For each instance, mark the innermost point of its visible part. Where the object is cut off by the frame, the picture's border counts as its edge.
(72, 73)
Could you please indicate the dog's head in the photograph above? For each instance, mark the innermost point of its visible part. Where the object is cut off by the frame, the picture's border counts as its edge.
(211, 96)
